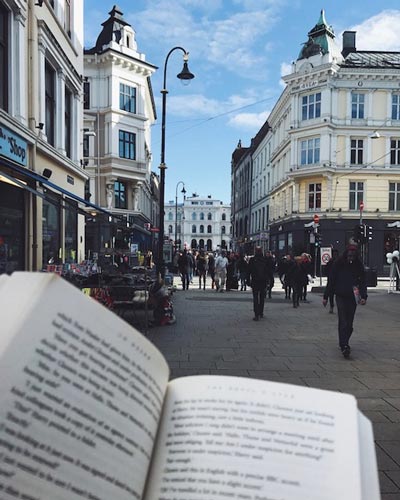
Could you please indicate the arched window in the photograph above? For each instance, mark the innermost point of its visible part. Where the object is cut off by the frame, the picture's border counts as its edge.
(209, 245)
(201, 243)
(209, 216)
(193, 244)
(194, 216)
(194, 229)
(201, 215)
(209, 229)
(170, 229)
(202, 229)
(223, 216)
(223, 230)
(170, 216)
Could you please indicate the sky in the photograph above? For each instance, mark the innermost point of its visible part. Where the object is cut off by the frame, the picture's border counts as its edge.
(238, 52)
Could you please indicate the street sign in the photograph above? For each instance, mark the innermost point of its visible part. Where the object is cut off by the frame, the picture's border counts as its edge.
(361, 205)
(326, 255)
(316, 218)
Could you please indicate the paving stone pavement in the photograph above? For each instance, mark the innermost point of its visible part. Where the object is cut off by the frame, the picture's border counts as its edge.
(214, 334)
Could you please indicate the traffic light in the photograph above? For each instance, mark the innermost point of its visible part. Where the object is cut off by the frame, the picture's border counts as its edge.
(359, 233)
(369, 232)
(318, 239)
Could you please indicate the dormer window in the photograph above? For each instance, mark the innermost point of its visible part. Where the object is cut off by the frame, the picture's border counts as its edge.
(128, 41)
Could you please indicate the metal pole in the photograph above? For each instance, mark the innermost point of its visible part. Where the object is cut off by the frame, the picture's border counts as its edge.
(162, 167)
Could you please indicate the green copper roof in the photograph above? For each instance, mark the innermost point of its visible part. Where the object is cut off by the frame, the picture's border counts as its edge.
(319, 39)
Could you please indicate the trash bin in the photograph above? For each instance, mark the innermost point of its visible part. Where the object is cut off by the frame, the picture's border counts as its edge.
(371, 276)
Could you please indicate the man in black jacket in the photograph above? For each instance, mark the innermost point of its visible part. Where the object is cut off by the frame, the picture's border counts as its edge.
(347, 281)
(257, 279)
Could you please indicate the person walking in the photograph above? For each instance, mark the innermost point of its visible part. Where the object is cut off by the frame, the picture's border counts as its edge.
(271, 264)
(201, 266)
(211, 269)
(183, 268)
(347, 282)
(328, 267)
(297, 278)
(221, 264)
(257, 279)
(242, 266)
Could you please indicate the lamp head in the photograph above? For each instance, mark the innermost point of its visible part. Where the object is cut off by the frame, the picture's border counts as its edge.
(185, 75)
(183, 190)
(375, 135)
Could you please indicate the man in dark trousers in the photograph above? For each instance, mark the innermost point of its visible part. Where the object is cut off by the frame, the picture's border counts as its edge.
(257, 279)
(347, 282)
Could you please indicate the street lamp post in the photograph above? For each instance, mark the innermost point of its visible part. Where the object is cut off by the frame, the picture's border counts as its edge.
(185, 74)
(176, 210)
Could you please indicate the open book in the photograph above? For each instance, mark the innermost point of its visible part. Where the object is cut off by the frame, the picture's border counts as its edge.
(87, 412)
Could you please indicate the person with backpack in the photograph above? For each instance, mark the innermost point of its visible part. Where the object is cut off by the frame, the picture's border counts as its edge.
(201, 266)
(257, 280)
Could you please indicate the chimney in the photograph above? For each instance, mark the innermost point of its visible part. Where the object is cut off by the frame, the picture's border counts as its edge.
(349, 43)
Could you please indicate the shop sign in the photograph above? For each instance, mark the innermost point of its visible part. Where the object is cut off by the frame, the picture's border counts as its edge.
(12, 146)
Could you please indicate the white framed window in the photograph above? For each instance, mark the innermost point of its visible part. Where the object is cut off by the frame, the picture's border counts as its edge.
(311, 106)
(394, 196)
(396, 106)
(314, 196)
(357, 105)
(356, 194)
(310, 151)
(395, 151)
(127, 98)
(356, 151)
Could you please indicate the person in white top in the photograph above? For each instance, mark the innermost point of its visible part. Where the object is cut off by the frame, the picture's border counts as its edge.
(221, 263)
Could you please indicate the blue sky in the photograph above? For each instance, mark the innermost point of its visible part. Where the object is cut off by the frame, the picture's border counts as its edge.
(239, 49)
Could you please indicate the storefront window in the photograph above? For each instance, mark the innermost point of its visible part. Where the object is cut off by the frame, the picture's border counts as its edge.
(12, 223)
(391, 243)
(51, 231)
(71, 229)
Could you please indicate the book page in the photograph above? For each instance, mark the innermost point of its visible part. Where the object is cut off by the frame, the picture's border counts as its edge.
(369, 466)
(235, 438)
(81, 395)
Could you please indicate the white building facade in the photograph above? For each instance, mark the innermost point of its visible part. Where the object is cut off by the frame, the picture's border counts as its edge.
(201, 223)
(119, 110)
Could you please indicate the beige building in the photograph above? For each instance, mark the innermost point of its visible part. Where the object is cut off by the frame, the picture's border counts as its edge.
(332, 146)
(41, 179)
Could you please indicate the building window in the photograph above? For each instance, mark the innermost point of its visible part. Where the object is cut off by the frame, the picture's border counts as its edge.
(356, 195)
(194, 229)
(395, 106)
(120, 195)
(194, 216)
(395, 152)
(4, 49)
(209, 216)
(201, 215)
(50, 93)
(86, 95)
(127, 145)
(67, 17)
(357, 105)
(394, 196)
(170, 229)
(311, 106)
(71, 232)
(85, 143)
(314, 196)
(51, 231)
(356, 151)
(170, 216)
(127, 98)
(201, 228)
(310, 150)
(68, 122)
(209, 229)
(223, 216)
(223, 229)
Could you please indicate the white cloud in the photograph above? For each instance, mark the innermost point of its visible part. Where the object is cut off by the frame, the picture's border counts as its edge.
(249, 121)
(380, 32)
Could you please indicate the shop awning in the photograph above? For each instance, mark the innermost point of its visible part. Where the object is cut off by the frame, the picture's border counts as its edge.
(45, 181)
